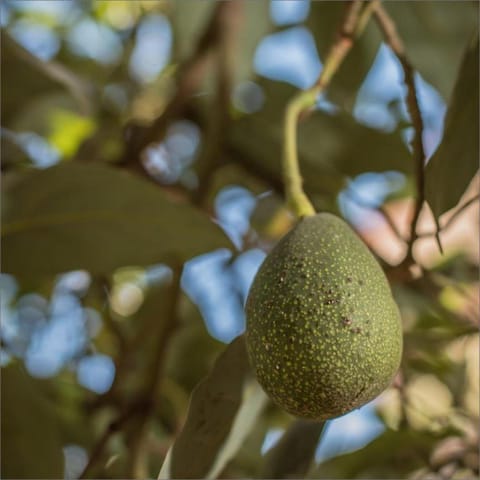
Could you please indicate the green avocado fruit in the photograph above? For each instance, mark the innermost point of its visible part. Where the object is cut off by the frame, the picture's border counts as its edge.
(323, 334)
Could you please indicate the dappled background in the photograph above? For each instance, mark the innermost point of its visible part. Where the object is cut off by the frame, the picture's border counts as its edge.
(142, 189)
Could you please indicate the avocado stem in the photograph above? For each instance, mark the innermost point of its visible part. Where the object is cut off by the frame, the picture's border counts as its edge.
(352, 26)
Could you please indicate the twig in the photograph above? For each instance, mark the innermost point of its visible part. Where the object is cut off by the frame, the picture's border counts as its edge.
(453, 218)
(392, 38)
(351, 27)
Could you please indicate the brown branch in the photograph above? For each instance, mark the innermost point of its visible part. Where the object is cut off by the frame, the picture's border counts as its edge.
(393, 39)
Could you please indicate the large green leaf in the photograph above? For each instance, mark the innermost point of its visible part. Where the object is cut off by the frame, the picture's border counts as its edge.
(26, 77)
(331, 146)
(294, 453)
(434, 33)
(94, 217)
(392, 455)
(254, 401)
(251, 20)
(213, 408)
(324, 20)
(31, 440)
(192, 350)
(455, 162)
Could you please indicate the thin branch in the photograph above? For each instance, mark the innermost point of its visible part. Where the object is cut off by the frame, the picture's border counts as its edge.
(354, 22)
(453, 218)
(393, 39)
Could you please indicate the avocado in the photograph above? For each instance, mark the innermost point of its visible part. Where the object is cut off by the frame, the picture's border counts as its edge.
(323, 332)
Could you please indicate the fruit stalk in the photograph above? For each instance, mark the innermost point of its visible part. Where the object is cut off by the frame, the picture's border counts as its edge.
(355, 20)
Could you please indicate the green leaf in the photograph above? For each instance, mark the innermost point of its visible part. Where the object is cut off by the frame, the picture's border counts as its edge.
(254, 401)
(31, 441)
(331, 146)
(294, 453)
(435, 34)
(455, 162)
(25, 77)
(213, 407)
(255, 24)
(193, 350)
(190, 18)
(392, 455)
(324, 20)
(97, 218)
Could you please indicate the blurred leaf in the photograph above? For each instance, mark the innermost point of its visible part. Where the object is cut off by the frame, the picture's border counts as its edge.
(324, 20)
(31, 441)
(36, 115)
(246, 463)
(13, 154)
(331, 146)
(435, 34)
(24, 77)
(392, 455)
(192, 350)
(213, 407)
(54, 116)
(190, 18)
(255, 23)
(455, 162)
(68, 130)
(96, 218)
(254, 401)
(20, 81)
(271, 219)
(292, 456)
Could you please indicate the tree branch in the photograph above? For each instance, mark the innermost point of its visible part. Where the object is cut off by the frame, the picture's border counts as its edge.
(393, 39)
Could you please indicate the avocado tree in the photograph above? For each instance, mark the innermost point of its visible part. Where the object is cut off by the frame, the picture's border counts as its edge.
(239, 239)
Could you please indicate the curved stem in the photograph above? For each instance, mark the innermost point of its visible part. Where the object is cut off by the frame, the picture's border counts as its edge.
(296, 198)
(352, 26)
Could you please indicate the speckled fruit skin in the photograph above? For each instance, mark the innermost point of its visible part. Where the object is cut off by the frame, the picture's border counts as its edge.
(323, 332)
